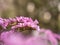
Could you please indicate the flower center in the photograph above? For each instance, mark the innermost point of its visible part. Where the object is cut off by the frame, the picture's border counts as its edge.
(11, 24)
(1, 29)
(25, 30)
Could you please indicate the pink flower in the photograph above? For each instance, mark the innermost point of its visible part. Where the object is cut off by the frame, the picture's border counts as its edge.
(50, 36)
(14, 38)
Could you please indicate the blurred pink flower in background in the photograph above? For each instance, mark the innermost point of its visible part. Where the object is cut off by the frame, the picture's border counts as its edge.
(52, 37)
(16, 38)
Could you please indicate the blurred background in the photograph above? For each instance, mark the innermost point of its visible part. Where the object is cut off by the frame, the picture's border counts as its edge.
(47, 12)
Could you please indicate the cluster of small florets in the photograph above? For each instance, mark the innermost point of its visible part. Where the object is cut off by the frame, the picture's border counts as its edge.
(19, 22)
(25, 23)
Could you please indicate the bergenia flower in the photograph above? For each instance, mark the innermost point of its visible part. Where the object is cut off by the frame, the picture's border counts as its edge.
(19, 30)
(16, 24)
(21, 22)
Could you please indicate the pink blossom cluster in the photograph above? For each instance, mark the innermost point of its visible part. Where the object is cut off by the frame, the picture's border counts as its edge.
(18, 22)
(10, 37)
